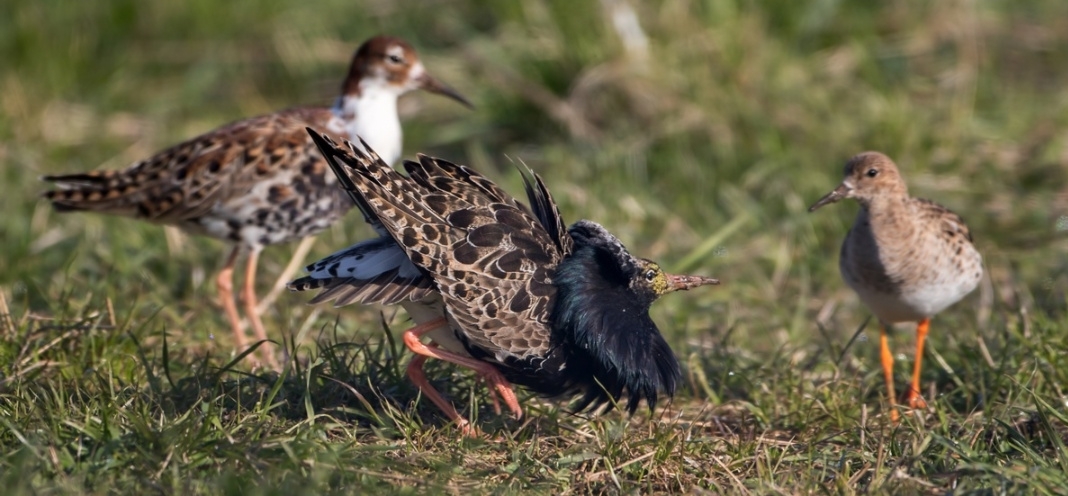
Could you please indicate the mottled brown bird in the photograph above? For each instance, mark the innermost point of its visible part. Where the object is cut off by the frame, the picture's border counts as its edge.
(498, 287)
(907, 258)
(260, 181)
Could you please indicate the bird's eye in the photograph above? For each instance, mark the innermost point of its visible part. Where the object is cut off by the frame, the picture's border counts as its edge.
(396, 59)
(872, 172)
(650, 275)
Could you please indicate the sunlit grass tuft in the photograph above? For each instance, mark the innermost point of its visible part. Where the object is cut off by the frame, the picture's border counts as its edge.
(700, 139)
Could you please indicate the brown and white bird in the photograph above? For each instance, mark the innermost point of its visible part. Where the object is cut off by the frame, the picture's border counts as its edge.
(260, 181)
(907, 258)
(498, 287)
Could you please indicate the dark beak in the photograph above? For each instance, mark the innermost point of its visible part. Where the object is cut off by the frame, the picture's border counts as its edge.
(682, 283)
(837, 194)
(428, 83)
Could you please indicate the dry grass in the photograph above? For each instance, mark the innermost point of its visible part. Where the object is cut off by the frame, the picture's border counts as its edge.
(699, 139)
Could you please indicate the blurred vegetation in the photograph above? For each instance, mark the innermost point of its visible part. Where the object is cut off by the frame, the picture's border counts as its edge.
(698, 131)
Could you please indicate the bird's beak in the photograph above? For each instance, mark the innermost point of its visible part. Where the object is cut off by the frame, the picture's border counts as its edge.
(842, 191)
(429, 83)
(682, 283)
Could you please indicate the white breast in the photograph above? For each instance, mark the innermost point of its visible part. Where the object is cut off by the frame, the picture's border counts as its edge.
(373, 118)
(918, 303)
(908, 279)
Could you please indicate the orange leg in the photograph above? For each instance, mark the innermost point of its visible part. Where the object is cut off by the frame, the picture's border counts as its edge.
(888, 371)
(913, 397)
(224, 283)
(496, 404)
(416, 374)
(492, 376)
(295, 264)
(248, 298)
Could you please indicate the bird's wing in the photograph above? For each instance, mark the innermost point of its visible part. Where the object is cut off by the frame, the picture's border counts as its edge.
(546, 211)
(950, 222)
(491, 260)
(376, 271)
(373, 271)
(498, 275)
(187, 180)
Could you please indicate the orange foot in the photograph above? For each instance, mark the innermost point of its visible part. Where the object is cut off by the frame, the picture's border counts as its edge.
(498, 385)
(914, 400)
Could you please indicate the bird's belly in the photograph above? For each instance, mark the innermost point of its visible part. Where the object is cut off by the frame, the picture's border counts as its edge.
(260, 218)
(911, 302)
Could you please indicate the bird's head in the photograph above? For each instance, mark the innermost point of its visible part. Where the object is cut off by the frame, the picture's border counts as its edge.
(601, 318)
(390, 65)
(649, 282)
(866, 176)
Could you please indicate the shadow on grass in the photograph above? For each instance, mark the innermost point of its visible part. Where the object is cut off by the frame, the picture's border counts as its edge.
(358, 383)
(82, 398)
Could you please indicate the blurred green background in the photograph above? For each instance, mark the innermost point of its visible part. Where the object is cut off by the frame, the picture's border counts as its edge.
(697, 131)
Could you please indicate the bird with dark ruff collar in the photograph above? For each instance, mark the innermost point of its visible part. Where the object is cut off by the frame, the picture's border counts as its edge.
(498, 287)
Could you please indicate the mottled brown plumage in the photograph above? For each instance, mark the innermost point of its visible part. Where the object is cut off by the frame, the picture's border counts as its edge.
(513, 290)
(259, 181)
(907, 258)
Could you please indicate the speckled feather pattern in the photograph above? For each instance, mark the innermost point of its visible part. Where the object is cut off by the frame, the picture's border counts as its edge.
(907, 258)
(376, 271)
(490, 258)
(261, 181)
(557, 310)
(258, 181)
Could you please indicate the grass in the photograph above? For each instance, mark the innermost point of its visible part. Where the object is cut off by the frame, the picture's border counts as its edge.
(700, 141)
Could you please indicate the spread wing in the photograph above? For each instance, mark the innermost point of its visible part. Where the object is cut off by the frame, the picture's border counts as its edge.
(468, 185)
(373, 271)
(490, 258)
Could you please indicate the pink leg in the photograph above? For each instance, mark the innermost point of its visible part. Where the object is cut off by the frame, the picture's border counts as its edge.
(224, 284)
(418, 377)
(492, 376)
(248, 298)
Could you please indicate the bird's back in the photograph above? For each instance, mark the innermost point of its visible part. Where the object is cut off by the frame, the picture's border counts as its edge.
(258, 180)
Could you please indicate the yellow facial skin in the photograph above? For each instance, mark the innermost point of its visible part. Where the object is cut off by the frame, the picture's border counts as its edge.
(655, 278)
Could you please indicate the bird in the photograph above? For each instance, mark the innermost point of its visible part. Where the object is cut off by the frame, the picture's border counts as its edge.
(907, 258)
(260, 181)
(498, 286)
